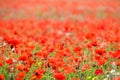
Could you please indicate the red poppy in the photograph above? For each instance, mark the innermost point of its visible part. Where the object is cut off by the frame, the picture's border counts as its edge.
(77, 49)
(13, 41)
(18, 78)
(22, 68)
(115, 54)
(9, 61)
(90, 36)
(100, 52)
(21, 74)
(38, 73)
(23, 57)
(59, 76)
(1, 64)
(101, 62)
(1, 77)
(98, 72)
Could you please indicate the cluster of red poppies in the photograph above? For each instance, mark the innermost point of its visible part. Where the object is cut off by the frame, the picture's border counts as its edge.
(59, 40)
(62, 9)
(62, 47)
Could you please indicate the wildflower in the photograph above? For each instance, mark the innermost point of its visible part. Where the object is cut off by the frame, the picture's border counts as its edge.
(77, 49)
(1, 64)
(100, 52)
(23, 57)
(98, 72)
(38, 73)
(90, 36)
(101, 62)
(21, 74)
(19, 78)
(22, 68)
(1, 77)
(59, 76)
(115, 54)
(9, 61)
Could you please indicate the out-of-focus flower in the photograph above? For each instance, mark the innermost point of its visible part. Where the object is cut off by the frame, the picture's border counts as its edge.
(100, 52)
(22, 68)
(9, 61)
(59, 76)
(19, 78)
(115, 54)
(38, 73)
(98, 72)
(1, 64)
(1, 77)
(21, 74)
(23, 57)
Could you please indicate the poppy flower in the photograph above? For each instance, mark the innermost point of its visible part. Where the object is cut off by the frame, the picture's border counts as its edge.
(59, 76)
(22, 68)
(100, 52)
(115, 54)
(89, 36)
(38, 73)
(101, 62)
(13, 41)
(19, 78)
(21, 74)
(77, 49)
(1, 77)
(1, 64)
(23, 57)
(98, 72)
(9, 61)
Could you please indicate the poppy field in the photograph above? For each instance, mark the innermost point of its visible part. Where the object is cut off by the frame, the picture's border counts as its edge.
(59, 40)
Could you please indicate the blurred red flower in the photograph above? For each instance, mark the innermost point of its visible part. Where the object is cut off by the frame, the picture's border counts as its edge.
(21, 74)
(1, 77)
(59, 76)
(115, 54)
(38, 73)
(98, 72)
(23, 57)
(18, 78)
(1, 64)
(100, 52)
(9, 61)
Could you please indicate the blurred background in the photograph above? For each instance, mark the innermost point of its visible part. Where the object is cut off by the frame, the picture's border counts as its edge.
(59, 9)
